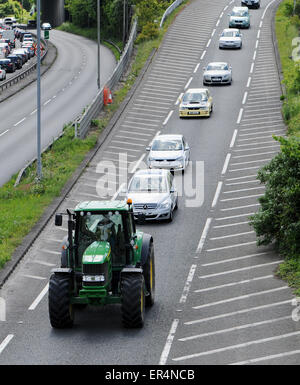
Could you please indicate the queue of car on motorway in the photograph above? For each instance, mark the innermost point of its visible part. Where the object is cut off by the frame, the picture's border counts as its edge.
(153, 190)
(17, 46)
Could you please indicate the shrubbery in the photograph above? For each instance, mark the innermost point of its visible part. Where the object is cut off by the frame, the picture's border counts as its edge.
(278, 219)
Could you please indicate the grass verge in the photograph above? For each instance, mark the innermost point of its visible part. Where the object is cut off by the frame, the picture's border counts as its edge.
(21, 207)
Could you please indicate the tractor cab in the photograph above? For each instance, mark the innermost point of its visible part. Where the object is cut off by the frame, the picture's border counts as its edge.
(103, 260)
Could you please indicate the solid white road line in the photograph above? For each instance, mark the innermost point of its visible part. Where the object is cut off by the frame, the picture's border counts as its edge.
(168, 117)
(231, 235)
(233, 138)
(241, 297)
(231, 224)
(235, 328)
(187, 285)
(188, 83)
(227, 159)
(240, 116)
(165, 354)
(203, 236)
(233, 283)
(237, 346)
(39, 298)
(266, 358)
(233, 259)
(241, 269)
(234, 216)
(5, 342)
(240, 207)
(217, 194)
(243, 311)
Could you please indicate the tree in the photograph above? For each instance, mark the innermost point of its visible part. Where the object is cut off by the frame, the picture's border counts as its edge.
(278, 219)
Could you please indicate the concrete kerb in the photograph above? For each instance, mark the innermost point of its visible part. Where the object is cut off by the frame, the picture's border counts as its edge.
(28, 241)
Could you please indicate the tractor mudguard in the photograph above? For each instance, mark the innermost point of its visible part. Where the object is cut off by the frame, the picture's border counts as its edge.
(147, 239)
(62, 270)
(132, 270)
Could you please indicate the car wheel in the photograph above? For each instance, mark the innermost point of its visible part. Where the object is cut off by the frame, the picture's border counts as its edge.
(171, 216)
(176, 205)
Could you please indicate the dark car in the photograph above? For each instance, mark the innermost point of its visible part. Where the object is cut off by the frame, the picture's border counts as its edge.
(22, 56)
(17, 60)
(31, 24)
(8, 65)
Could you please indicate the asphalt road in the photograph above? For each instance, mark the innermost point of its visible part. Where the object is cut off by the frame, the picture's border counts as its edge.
(67, 88)
(217, 300)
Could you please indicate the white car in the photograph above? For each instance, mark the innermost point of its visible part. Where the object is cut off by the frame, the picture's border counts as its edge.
(153, 195)
(46, 26)
(2, 74)
(230, 38)
(217, 73)
(170, 152)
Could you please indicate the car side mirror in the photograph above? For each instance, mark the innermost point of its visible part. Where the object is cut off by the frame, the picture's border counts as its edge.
(172, 190)
(148, 148)
(58, 220)
(187, 148)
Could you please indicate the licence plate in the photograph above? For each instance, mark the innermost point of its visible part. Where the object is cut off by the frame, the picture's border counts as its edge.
(194, 112)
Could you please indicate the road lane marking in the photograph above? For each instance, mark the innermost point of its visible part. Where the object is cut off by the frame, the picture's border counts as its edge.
(187, 285)
(231, 235)
(5, 342)
(240, 207)
(245, 97)
(168, 117)
(237, 346)
(240, 116)
(248, 82)
(19, 122)
(234, 313)
(34, 277)
(196, 68)
(188, 83)
(167, 348)
(241, 297)
(203, 54)
(233, 138)
(231, 246)
(227, 159)
(204, 234)
(235, 328)
(179, 97)
(217, 194)
(228, 260)
(266, 358)
(234, 216)
(39, 298)
(252, 67)
(208, 44)
(242, 268)
(4, 132)
(242, 282)
(48, 101)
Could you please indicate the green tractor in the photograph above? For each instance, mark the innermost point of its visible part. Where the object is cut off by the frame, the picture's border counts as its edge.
(104, 260)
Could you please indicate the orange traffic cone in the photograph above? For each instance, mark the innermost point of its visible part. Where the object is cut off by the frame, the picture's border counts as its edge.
(109, 100)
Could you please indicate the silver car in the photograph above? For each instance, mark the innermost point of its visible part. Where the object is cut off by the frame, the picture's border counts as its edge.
(153, 195)
(217, 73)
(170, 152)
(230, 38)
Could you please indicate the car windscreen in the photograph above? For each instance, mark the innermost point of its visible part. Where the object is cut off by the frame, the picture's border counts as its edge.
(230, 34)
(240, 13)
(148, 183)
(217, 67)
(167, 145)
(194, 97)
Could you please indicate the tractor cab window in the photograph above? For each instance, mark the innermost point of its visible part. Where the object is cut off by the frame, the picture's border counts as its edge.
(100, 227)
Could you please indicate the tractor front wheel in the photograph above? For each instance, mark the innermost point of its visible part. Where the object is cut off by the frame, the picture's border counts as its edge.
(133, 300)
(60, 308)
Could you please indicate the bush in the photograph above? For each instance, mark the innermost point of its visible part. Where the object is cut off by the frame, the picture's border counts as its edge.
(278, 219)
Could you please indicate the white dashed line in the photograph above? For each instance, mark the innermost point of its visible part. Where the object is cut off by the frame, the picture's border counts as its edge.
(21, 121)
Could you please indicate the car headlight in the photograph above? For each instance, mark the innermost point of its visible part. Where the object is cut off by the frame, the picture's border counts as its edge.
(226, 77)
(165, 204)
(179, 159)
(183, 108)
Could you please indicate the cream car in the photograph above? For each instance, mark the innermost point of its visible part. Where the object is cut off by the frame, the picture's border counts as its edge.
(196, 102)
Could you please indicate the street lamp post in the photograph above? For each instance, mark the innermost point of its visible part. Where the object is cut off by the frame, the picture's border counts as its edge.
(98, 38)
(39, 161)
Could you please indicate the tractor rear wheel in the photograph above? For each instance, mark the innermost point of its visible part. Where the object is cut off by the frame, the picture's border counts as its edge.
(60, 309)
(149, 276)
(133, 300)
